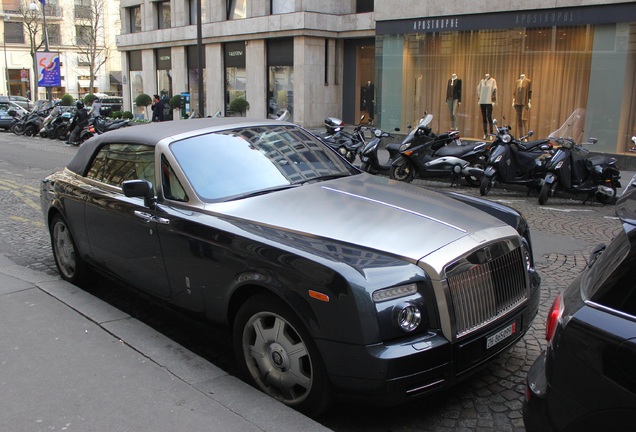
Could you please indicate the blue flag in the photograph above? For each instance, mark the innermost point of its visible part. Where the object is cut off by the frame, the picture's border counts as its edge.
(43, 2)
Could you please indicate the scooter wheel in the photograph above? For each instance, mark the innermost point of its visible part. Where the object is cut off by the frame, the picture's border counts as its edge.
(606, 199)
(486, 184)
(364, 166)
(547, 190)
(402, 173)
(29, 131)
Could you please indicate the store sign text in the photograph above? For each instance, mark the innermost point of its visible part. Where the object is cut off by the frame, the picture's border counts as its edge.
(235, 53)
(547, 18)
(436, 24)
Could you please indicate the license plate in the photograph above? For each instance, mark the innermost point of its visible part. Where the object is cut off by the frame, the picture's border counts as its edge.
(501, 335)
(458, 142)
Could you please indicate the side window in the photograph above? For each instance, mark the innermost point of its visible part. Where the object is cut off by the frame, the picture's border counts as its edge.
(116, 163)
(171, 185)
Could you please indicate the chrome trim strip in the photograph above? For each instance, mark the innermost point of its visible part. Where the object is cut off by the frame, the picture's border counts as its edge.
(609, 310)
(395, 207)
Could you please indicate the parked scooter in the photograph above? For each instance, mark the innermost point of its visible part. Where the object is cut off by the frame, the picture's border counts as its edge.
(370, 162)
(62, 126)
(52, 120)
(514, 161)
(345, 143)
(428, 155)
(99, 125)
(572, 170)
(17, 123)
(34, 121)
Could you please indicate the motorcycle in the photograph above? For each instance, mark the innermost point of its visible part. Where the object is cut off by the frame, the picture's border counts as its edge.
(572, 170)
(345, 143)
(62, 126)
(427, 155)
(514, 161)
(17, 123)
(98, 125)
(33, 122)
(52, 120)
(370, 162)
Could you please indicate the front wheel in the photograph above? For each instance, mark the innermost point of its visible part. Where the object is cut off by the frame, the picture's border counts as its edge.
(29, 130)
(67, 258)
(365, 166)
(604, 198)
(474, 180)
(487, 183)
(17, 128)
(547, 190)
(402, 172)
(277, 355)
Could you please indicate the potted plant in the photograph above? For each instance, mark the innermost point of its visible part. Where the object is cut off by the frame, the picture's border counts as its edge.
(67, 100)
(176, 105)
(143, 100)
(239, 105)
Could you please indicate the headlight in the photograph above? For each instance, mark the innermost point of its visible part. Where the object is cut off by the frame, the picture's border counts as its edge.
(525, 250)
(506, 138)
(378, 133)
(407, 316)
(394, 292)
(404, 146)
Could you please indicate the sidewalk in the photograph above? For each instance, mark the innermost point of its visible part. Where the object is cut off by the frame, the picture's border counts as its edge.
(70, 362)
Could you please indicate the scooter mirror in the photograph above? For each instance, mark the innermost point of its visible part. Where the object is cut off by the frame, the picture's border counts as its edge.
(530, 133)
(494, 121)
(593, 140)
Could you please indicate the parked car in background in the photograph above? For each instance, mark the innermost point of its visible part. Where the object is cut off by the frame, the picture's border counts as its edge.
(331, 280)
(24, 102)
(5, 106)
(585, 380)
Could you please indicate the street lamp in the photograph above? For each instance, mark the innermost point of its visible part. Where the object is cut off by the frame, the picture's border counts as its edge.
(6, 64)
(34, 7)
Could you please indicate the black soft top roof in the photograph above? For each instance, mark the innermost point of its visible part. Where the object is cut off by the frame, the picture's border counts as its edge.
(151, 133)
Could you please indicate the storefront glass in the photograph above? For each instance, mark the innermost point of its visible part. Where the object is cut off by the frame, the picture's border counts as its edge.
(537, 78)
(235, 73)
(280, 82)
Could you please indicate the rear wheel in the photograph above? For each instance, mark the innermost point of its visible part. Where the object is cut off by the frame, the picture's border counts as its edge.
(278, 356)
(17, 128)
(29, 130)
(67, 259)
(547, 190)
(487, 183)
(402, 172)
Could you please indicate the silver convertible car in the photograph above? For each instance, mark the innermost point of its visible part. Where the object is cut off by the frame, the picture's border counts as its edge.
(332, 281)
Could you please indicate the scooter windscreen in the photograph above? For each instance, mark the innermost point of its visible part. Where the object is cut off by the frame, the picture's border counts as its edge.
(424, 122)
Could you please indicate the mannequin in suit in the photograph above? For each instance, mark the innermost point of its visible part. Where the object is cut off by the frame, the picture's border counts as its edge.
(453, 98)
(487, 97)
(521, 103)
(369, 99)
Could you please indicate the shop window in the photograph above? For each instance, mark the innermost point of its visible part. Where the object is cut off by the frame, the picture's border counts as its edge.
(193, 79)
(280, 83)
(14, 32)
(164, 79)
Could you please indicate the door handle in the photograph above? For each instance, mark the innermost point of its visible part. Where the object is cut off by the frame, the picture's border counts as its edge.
(147, 217)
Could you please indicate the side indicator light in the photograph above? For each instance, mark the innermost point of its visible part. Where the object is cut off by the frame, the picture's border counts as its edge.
(319, 296)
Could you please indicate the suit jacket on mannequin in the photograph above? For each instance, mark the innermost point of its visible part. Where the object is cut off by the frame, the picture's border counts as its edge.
(454, 89)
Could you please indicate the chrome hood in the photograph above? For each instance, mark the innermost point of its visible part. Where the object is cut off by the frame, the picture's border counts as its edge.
(372, 212)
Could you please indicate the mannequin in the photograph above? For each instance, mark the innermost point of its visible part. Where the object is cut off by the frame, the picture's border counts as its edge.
(521, 103)
(369, 99)
(487, 97)
(453, 98)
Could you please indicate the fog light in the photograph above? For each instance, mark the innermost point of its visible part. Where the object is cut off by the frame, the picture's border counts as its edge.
(408, 317)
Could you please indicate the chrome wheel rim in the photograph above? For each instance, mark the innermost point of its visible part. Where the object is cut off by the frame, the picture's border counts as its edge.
(64, 249)
(277, 358)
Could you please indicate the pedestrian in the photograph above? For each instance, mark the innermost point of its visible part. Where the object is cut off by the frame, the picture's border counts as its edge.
(157, 109)
(79, 120)
(95, 108)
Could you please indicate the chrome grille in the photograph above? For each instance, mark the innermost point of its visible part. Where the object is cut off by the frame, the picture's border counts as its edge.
(488, 291)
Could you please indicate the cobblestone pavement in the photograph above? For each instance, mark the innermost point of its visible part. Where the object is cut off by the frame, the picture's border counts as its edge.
(491, 400)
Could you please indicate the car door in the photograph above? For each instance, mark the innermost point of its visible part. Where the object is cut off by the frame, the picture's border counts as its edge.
(121, 232)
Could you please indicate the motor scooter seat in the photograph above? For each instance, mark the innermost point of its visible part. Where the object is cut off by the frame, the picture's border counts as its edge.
(455, 150)
(597, 160)
(532, 145)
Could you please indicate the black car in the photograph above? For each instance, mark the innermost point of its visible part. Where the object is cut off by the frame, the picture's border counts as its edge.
(585, 380)
(331, 280)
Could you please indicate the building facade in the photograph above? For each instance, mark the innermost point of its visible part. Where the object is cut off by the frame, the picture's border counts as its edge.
(67, 23)
(393, 61)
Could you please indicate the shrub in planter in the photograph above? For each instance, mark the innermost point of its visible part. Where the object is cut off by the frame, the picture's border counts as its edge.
(117, 114)
(127, 115)
(67, 100)
(143, 100)
(89, 99)
(239, 105)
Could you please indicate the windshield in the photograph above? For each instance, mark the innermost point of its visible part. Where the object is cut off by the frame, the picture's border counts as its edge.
(572, 128)
(247, 161)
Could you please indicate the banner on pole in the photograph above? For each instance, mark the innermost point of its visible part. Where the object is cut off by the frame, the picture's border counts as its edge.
(48, 69)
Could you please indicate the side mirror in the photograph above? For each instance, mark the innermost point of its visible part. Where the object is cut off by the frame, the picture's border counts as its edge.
(140, 189)
(530, 133)
(593, 140)
(398, 129)
(494, 122)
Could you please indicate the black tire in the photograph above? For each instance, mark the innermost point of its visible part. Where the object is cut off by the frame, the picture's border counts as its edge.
(547, 190)
(402, 172)
(475, 181)
(606, 199)
(62, 133)
(29, 130)
(70, 265)
(486, 184)
(17, 128)
(365, 166)
(276, 355)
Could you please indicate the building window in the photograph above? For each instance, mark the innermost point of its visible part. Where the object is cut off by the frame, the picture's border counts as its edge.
(237, 9)
(53, 31)
(82, 35)
(363, 6)
(280, 83)
(14, 32)
(164, 79)
(235, 72)
(283, 6)
(163, 13)
(83, 9)
(134, 16)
